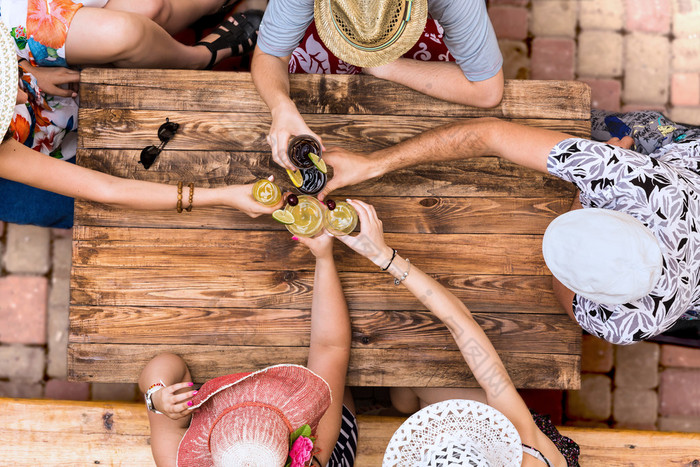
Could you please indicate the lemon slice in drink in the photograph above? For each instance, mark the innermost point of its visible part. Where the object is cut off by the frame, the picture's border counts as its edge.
(283, 217)
(318, 162)
(295, 177)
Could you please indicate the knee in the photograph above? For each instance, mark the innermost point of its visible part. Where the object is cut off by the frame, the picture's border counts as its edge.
(127, 33)
(163, 363)
(157, 10)
(404, 400)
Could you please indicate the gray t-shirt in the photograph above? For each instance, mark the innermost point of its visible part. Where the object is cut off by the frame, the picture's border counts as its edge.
(468, 35)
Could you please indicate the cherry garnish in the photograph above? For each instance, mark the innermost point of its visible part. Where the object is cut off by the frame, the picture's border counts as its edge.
(331, 204)
(292, 200)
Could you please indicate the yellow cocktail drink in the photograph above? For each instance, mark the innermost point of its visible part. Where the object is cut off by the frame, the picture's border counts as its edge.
(267, 193)
(341, 220)
(308, 216)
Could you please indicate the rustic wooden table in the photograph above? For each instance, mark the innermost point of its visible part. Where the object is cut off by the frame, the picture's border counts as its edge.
(229, 293)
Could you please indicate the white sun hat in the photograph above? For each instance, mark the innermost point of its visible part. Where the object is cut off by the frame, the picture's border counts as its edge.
(604, 255)
(8, 78)
(455, 432)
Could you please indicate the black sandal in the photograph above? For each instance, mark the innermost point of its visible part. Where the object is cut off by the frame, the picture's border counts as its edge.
(240, 38)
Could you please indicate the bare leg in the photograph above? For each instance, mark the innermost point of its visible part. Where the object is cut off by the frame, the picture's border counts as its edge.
(409, 400)
(165, 432)
(171, 15)
(348, 400)
(100, 36)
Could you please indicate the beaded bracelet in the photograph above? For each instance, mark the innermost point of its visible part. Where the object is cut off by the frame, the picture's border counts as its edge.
(393, 255)
(179, 197)
(189, 208)
(398, 281)
(154, 385)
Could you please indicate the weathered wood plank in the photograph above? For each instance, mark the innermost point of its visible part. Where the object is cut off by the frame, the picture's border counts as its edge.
(368, 367)
(216, 250)
(517, 332)
(231, 131)
(227, 287)
(70, 439)
(67, 433)
(480, 177)
(399, 215)
(328, 94)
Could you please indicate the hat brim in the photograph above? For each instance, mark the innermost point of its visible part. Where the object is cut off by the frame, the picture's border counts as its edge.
(607, 256)
(298, 392)
(473, 422)
(8, 78)
(334, 41)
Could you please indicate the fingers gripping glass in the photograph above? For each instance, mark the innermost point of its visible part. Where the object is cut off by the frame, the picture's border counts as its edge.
(166, 132)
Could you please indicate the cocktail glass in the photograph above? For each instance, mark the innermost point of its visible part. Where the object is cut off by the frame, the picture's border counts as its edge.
(266, 192)
(299, 148)
(341, 220)
(308, 216)
(313, 181)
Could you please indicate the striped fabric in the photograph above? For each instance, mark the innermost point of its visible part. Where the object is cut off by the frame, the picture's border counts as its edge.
(343, 454)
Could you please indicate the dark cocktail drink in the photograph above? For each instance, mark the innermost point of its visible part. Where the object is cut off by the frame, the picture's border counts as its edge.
(313, 181)
(300, 147)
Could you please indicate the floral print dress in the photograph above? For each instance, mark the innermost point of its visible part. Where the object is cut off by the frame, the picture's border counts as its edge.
(47, 123)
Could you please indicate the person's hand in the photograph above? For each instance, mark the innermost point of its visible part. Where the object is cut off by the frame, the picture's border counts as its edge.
(349, 168)
(286, 122)
(241, 198)
(321, 245)
(626, 142)
(51, 78)
(173, 402)
(370, 242)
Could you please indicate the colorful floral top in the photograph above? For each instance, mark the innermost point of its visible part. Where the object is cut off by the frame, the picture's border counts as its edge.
(47, 123)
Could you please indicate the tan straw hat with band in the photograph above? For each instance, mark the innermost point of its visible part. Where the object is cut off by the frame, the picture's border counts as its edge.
(370, 33)
(9, 78)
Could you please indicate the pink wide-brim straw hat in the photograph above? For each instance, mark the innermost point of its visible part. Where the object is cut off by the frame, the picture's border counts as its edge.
(246, 418)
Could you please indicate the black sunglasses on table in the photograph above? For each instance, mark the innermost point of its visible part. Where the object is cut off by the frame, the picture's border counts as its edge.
(166, 132)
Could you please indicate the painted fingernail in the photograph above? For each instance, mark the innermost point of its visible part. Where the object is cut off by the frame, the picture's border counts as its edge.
(189, 403)
(195, 393)
(191, 384)
(295, 238)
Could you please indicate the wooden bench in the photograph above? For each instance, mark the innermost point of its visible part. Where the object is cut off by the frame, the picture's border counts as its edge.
(43, 432)
(229, 293)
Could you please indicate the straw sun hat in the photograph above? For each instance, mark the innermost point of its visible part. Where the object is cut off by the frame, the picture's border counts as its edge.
(246, 419)
(370, 33)
(455, 432)
(8, 78)
(607, 256)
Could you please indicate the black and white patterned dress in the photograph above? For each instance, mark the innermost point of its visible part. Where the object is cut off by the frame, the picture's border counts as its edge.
(662, 190)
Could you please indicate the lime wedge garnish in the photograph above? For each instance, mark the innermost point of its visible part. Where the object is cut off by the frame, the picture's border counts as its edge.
(295, 177)
(283, 217)
(318, 162)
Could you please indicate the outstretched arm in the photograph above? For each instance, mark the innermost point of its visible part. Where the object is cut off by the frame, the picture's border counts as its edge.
(24, 165)
(329, 350)
(521, 144)
(443, 80)
(271, 79)
(473, 343)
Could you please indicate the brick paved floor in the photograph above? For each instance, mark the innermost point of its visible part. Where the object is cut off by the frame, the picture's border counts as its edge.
(635, 54)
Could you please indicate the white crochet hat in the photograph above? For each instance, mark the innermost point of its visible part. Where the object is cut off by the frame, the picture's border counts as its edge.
(8, 78)
(455, 432)
(604, 255)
